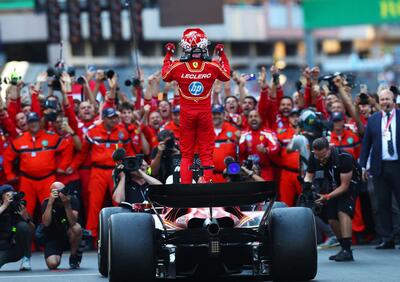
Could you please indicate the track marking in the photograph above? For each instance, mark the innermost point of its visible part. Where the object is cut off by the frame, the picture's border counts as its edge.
(48, 275)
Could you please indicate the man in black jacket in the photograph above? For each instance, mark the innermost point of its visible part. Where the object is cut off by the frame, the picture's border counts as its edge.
(16, 229)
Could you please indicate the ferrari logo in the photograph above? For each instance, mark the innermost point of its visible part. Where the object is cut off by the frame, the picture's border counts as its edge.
(195, 65)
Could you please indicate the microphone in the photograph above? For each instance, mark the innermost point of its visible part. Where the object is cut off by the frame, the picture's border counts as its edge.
(119, 154)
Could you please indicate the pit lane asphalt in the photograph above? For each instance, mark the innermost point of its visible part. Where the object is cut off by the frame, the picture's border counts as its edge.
(370, 265)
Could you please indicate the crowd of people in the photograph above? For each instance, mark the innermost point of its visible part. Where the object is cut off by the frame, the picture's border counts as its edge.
(68, 133)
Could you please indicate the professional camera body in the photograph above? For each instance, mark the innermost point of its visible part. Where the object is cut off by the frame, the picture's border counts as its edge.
(18, 200)
(329, 78)
(132, 163)
(307, 198)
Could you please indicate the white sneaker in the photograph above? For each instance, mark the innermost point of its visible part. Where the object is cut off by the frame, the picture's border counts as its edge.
(329, 243)
(25, 264)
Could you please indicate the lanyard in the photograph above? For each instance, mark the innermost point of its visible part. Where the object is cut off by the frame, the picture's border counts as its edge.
(389, 121)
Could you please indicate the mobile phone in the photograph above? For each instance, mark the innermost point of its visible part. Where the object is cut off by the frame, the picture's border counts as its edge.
(64, 121)
(363, 88)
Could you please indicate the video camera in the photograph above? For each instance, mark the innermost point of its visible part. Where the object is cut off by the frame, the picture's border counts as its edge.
(307, 198)
(329, 78)
(233, 168)
(129, 163)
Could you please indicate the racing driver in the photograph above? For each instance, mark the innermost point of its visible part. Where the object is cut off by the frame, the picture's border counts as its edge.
(195, 73)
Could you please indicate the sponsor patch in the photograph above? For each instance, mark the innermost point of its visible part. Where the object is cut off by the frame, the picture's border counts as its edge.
(196, 88)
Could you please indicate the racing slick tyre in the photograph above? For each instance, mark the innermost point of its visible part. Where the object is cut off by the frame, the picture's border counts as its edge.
(293, 244)
(102, 251)
(131, 248)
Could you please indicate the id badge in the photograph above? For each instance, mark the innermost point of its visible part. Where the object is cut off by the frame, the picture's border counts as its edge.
(107, 145)
(387, 136)
(33, 154)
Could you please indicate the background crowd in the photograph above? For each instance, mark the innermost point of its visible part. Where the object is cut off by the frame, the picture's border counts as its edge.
(68, 127)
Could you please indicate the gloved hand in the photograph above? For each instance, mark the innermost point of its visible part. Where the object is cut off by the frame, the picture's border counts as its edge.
(170, 47)
(219, 48)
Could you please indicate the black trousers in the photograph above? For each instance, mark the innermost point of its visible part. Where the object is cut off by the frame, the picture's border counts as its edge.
(22, 247)
(386, 185)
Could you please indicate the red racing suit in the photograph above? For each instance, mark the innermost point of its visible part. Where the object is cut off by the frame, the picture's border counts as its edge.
(248, 148)
(195, 80)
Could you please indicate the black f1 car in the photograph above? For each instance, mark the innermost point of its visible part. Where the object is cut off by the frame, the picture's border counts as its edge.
(198, 229)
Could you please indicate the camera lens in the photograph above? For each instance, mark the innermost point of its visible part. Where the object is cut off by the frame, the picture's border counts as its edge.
(80, 80)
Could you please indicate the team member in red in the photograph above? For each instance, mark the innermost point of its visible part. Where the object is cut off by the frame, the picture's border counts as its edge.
(289, 161)
(173, 125)
(226, 139)
(138, 140)
(36, 150)
(259, 144)
(195, 74)
(344, 138)
(101, 141)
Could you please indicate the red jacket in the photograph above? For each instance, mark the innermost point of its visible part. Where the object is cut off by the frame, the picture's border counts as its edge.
(288, 161)
(37, 154)
(225, 145)
(101, 144)
(348, 141)
(195, 79)
(248, 147)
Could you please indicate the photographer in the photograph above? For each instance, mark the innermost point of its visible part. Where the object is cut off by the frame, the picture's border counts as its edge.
(132, 181)
(340, 190)
(235, 172)
(16, 229)
(60, 228)
(164, 156)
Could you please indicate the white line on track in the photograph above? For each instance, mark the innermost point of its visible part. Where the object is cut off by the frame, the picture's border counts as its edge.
(48, 275)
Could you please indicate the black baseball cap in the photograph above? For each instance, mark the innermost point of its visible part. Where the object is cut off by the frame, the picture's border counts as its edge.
(295, 111)
(109, 112)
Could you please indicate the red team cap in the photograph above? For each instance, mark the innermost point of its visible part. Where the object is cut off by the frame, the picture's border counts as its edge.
(193, 38)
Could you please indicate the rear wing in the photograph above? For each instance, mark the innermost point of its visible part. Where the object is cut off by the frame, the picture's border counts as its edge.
(211, 194)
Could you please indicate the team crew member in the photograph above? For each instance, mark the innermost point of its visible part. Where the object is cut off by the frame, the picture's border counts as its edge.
(173, 125)
(344, 138)
(195, 74)
(36, 150)
(259, 145)
(101, 141)
(289, 161)
(226, 139)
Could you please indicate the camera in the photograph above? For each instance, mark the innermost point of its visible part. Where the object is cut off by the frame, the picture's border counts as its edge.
(108, 74)
(13, 79)
(163, 135)
(65, 191)
(307, 198)
(17, 200)
(134, 81)
(132, 163)
(56, 73)
(80, 80)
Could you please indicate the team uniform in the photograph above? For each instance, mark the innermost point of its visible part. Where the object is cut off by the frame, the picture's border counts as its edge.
(289, 184)
(248, 149)
(100, 144)
(225, 146)
(37, 163)
(195, 79)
